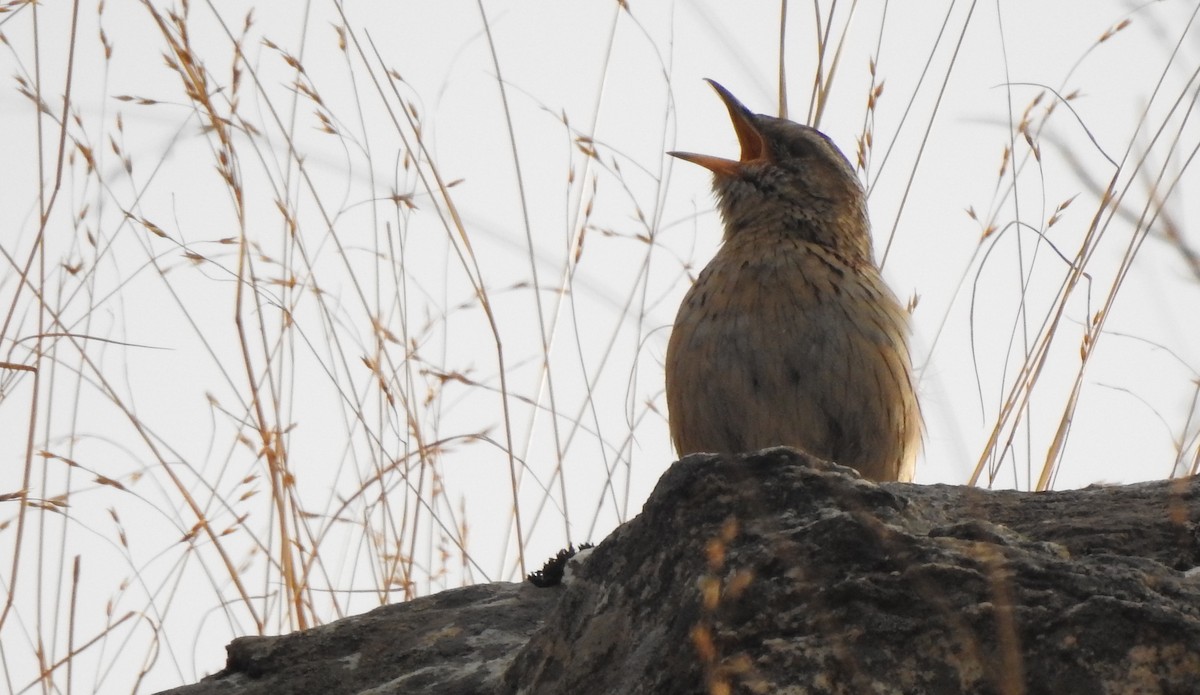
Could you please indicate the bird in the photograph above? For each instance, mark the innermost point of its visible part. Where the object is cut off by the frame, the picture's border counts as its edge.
(790, 336)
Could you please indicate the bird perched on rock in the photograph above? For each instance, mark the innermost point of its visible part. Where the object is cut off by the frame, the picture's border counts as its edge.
(790, 336)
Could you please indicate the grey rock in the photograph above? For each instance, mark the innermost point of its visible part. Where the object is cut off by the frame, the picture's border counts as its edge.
(777, 573)
(456, 642)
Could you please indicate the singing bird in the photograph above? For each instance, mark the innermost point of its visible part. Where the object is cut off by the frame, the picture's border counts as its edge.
(790, 335)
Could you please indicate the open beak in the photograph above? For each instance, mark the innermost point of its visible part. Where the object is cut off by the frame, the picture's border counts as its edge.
(754, 148)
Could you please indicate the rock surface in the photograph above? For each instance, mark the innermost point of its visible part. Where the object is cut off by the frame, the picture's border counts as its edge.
(777, 573)
(456, 642)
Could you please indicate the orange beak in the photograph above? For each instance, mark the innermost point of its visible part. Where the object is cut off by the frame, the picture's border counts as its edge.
(754, 148)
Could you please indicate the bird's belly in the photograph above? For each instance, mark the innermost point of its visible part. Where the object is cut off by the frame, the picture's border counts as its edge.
(790, 349)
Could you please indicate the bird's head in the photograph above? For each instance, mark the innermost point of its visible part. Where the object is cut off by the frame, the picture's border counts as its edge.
(790, 178)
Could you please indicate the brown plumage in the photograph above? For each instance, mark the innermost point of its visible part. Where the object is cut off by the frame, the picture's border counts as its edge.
(790, 336)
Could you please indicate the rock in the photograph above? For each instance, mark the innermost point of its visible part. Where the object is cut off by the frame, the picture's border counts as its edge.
(456, 642)
(777, 573)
